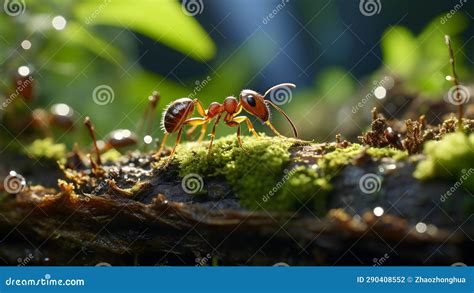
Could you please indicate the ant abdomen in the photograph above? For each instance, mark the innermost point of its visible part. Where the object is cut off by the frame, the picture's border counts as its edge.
(176, 113)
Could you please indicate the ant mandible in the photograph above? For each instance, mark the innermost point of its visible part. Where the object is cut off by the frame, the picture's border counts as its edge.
(177, 115)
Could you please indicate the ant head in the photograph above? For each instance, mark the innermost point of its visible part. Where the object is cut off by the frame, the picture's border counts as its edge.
(254, 103)
(231, 104)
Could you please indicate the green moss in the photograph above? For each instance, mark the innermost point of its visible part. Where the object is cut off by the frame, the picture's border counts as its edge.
(262, 178)
(251, 174)
(111, 155)
(332, 162)
(47, 149)
(390, 152)
(304, 186)
(450, 158)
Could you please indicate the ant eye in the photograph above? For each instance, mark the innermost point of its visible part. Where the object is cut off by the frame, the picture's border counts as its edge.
(251, 101)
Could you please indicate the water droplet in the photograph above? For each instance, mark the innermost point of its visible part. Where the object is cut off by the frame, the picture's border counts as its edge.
(59, 23)
(24, 70)
(147, 139)
(26, 45)
(380, 92)
(378, 211)
(421, 227)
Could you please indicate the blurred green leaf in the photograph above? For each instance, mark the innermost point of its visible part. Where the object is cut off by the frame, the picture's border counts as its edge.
(335, 84)
(76, 34)
(443, 26)
(162, 20)
(400, 50)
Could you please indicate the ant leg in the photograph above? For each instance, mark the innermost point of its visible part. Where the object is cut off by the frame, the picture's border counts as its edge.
(213, 133)
(200, 108)
(236, 121)
(239, 139)
(190, 131)
(240, 119)
(269, 124)
(203, 113)
(203, 132)
(295, 131)
(194, 122)
(157, 155)
(178, 138)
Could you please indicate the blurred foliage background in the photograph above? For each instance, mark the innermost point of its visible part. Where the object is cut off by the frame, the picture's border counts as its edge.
(334, 53)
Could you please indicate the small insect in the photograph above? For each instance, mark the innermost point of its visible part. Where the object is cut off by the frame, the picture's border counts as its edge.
(60, 115)
(178, 114)
(117, 139)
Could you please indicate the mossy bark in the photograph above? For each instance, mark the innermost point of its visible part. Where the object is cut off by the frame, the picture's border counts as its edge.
(280, 200)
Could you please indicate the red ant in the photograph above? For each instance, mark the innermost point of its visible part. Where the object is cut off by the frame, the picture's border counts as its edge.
(177, 115)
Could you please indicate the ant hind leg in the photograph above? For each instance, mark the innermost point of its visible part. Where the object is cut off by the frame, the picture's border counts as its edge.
(178, 139)
(157, 155)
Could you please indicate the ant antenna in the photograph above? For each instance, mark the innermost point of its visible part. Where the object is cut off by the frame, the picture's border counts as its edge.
(455, 80)
(295, 131)
(90, 127)
(281, 85)
(285, 84)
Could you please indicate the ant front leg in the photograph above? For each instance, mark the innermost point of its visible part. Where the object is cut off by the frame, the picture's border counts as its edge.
(240, 119)
(236, 121)
(270, 125)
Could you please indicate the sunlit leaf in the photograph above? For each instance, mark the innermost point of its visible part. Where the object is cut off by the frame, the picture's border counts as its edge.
(161, 20)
